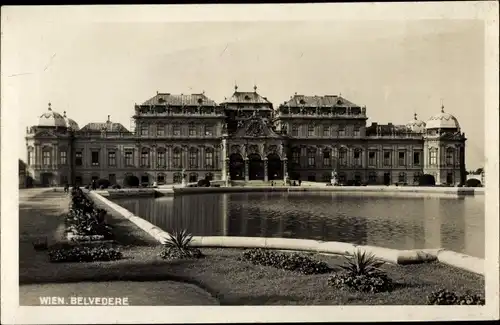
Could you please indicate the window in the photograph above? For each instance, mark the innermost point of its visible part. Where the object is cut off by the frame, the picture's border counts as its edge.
(343, 157)
(311, 158)
(78, 158)
(192, 130)
(46, 158)
(357, 177)
(112, 178)
(402, 177)
(111, 158)
(176, 161)
(177, 178)
(416, 177)
(144, 130)
(416, 159)
(310, 130)
(295, 130)
(326, 131)
(342, 178)
(357, 157)
(209, 131)
(63, 157)
(160, 179)
(341, 131)
(176, 130)
(95, 158)
(371, 158)
(433, 156)
(401, 158)
(160, 159)
(209, 158)
(296, 156)
(31, 157)
(160, 130)
(326, 158)
(449, 156)
(372, 177)
(193, 158)
(387, 158)
(129, 158)
(144, 157)
(356, 131)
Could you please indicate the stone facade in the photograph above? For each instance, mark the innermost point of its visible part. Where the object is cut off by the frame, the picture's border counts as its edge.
(246, 138)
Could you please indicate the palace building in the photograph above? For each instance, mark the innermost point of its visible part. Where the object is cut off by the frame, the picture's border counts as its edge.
(245, 138)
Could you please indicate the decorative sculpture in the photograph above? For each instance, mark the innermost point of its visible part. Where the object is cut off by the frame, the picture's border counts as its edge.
(333, 179)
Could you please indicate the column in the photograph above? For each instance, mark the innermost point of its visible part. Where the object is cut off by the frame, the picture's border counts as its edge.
(266, 178)
(225, 169)
(246, 170)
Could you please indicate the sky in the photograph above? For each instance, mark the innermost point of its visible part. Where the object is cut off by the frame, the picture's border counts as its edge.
(393, 67)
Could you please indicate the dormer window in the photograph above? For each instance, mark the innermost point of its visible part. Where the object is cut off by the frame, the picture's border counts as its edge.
(302, 102)
(339, 102)
(200, 101)
(247, 97)
(161, 100)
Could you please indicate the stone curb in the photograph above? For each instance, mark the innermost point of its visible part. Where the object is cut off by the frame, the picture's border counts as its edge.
(394, 256)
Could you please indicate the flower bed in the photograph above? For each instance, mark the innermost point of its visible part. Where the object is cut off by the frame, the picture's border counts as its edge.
(84, 221)
(82, 253)
(286, 261)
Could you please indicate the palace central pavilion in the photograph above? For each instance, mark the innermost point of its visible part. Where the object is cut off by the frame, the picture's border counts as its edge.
(245, 138)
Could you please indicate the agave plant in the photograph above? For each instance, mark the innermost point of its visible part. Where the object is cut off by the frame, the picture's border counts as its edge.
(178, 246)
(361, 263)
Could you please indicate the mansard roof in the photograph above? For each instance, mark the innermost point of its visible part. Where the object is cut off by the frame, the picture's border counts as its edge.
(318, 101)
(180, 100)
(106, 126)
(246, 97)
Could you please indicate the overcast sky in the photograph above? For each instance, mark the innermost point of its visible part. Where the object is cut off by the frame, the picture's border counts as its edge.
(395, 68)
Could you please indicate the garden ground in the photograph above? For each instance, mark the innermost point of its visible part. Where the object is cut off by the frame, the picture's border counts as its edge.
(217, 279)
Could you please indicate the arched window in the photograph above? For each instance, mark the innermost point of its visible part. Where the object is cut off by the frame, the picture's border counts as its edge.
(192, 130)
(47, 157)
(161, 158)
(176, 159)
(177, 178)
(160, 130)
(160, 179)
(31, 157)
(144, 157)
(310, 130)
(193, 158)
(450, 152)
(432, 156)
(311, 157)
(357, 157)
(176, 130)
(209, 158)
(327, 160)
(295, 130)
(296, 156)
(343, 157)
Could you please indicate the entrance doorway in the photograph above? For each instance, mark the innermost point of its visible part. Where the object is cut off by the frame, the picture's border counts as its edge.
(255, 167)
(193, 177)
(46, 179)
(236, 167)
(274, 167)
(449, 178)
(387, 178)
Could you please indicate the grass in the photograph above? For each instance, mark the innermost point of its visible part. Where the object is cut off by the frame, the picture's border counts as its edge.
(228, 280)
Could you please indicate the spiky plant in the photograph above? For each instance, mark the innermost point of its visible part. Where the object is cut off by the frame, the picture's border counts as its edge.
(362, 263)
(177, 245)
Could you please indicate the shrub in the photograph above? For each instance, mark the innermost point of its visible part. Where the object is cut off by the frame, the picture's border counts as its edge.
(116, 187)
(361, 272)
(131, 180)
(177, 246)
(286, 261)
(103, 183)
(203, 183)
(84, 254)
(473, 182)
(427, 180)
(445, 297)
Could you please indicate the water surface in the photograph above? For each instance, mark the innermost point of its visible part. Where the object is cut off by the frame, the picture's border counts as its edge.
(395, 221)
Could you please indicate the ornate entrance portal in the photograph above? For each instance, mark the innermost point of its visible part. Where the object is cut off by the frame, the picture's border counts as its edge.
(236, 167)
(255, 167)
(275, 167)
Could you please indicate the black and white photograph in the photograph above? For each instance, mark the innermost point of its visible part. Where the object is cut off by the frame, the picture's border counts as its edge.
(284, 162)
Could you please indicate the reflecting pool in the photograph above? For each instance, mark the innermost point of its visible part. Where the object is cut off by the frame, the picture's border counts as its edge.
(395, 221)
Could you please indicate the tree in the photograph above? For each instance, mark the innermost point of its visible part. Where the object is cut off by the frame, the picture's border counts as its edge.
(131, 180)
(479, 171)
(427, 180)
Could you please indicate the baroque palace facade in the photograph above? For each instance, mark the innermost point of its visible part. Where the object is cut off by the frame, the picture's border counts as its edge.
(245, 138)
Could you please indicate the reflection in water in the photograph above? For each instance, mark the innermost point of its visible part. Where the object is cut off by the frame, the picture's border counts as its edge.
(402, 222)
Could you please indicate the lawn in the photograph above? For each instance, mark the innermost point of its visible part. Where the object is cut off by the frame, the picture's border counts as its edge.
(227, 279)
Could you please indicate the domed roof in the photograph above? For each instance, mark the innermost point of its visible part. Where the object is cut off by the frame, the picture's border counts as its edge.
(443, 120)
(416, 125)
(51, 118)
(70, 123)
